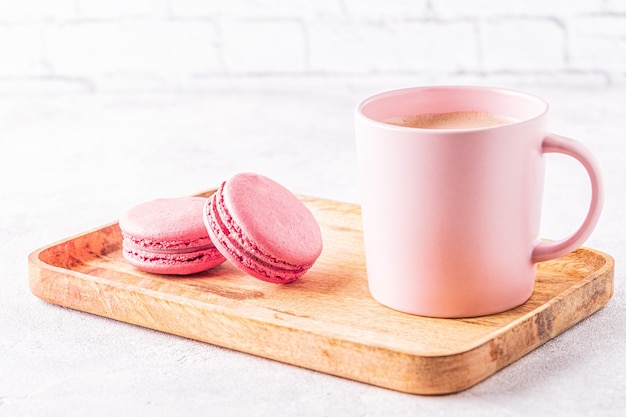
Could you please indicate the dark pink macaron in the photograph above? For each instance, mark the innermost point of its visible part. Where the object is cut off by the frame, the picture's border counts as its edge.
(168, 236)
(263, 228)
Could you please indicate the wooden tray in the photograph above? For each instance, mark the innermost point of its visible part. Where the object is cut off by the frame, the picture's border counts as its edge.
(326, 321)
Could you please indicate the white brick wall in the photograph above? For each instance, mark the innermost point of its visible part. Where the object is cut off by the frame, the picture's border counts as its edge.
(150, 47)
(96, 45)
(523, 44)
(268, 45)
(374, 46)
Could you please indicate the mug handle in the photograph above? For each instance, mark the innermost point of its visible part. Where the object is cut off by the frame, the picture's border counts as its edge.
(552, 143)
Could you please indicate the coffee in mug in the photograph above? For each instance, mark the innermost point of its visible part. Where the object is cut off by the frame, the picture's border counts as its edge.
(451, 120)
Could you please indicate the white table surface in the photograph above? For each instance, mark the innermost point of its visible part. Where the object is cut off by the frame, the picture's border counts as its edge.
(71, 163)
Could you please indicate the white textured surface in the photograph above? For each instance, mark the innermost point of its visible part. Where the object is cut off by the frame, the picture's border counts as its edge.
(69, 163)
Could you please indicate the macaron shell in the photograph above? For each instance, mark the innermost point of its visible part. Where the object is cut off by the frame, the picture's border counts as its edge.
(168, 221)
(272, 217)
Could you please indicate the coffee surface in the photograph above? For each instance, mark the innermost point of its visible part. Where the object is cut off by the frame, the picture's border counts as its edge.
(451, 120)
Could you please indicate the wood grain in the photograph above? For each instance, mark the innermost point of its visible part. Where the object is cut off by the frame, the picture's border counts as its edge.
(326, 321)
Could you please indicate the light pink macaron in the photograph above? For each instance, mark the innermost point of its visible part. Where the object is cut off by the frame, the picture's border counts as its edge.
(168, 236)
(263, 228)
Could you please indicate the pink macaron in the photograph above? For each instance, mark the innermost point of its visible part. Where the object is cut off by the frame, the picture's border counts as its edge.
(263, 228)
(168, 236)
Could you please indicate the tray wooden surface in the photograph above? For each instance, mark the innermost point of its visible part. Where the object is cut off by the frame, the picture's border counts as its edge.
(326, 321)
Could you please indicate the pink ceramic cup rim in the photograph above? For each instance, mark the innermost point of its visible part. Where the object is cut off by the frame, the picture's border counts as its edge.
(535, 108)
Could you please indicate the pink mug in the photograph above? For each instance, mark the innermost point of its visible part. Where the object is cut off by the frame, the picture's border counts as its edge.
(451, 212)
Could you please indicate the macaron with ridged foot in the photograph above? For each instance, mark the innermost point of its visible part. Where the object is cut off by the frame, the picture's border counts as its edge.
(263, 228)
(168, 236)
